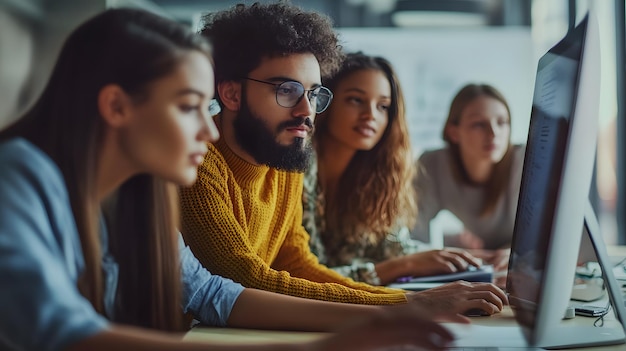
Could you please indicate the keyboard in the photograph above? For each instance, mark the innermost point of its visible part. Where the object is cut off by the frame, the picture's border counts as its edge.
(472, 274)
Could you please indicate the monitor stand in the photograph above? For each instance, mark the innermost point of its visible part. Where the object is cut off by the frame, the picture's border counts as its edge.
(575, 336)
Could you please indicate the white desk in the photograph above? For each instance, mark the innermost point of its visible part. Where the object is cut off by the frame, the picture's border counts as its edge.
(616, 251)
(248, 336)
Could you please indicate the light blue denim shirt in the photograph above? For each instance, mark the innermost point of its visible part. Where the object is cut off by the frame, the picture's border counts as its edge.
(41, 259)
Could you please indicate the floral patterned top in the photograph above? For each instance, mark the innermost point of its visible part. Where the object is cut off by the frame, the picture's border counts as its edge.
(355, 259)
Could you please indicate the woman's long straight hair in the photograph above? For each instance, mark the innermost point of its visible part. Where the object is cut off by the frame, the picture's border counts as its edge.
(130, 48)
(499, 178)
(375, 193)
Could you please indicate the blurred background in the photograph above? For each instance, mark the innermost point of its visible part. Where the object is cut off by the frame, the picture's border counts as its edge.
(436, 46)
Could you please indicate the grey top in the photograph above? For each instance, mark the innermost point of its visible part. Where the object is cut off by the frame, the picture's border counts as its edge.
(438, 190)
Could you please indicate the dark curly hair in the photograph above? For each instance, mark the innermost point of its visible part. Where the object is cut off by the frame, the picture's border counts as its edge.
(244, 35)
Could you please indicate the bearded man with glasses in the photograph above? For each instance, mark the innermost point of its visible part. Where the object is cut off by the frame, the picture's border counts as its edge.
(243, 217)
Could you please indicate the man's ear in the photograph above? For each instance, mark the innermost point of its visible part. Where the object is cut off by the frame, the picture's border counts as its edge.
(230, 94)
(113, 105)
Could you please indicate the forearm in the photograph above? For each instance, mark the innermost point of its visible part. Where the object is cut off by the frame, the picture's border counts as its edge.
(296, 258)
(264, 310)
(124, 338)
(396, 262)
(316, 283)
(361, 272)
(390, 270)
(336, 287)
(362, 276)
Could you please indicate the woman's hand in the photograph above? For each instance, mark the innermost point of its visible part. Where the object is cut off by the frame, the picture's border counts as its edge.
(460, 297)
(500, 261)
(448, 260)
(498, 258)
(426, 263)
(407, 325)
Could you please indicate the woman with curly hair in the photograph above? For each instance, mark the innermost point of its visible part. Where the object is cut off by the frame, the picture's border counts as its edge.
(358, 197)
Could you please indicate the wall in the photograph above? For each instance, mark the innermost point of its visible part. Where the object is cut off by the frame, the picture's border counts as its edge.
(16, 55)
(31, 35)
(433, 64)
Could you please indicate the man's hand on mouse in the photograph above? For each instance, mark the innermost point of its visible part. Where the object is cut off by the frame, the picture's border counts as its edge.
(460, 297)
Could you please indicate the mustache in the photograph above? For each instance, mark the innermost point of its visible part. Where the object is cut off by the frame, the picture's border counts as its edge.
(296, 123)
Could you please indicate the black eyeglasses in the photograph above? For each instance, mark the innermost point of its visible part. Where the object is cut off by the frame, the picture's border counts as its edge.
(290, 93)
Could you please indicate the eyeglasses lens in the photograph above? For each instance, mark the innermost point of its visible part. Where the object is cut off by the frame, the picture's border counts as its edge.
(290, 93)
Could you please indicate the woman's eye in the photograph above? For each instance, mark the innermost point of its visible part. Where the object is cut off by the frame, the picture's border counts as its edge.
(479, 125)
(383, 107)
(354, 100)
(188, 108)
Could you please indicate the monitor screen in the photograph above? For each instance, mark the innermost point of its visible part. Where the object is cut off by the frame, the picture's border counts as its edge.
(553, 103)
(554, 189)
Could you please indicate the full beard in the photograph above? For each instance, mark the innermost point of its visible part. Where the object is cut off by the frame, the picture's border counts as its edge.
(255, 137)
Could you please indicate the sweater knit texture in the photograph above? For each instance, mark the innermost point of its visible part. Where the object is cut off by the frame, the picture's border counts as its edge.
(244, 222)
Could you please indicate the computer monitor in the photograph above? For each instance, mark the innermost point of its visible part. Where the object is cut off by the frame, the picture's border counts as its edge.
(554, 190)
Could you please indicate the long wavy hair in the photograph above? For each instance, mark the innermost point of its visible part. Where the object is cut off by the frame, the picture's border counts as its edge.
(375, 193)
(495, 187)
(130, 48)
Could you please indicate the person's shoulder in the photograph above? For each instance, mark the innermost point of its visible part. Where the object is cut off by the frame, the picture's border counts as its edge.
(16, 148)
(435, 153)
(517, 165)
(26, 166)
(310, 174)
(310, 183)
(434, 156)
(215, 151)
(519, 150)
(214, 160)
(433, 166)
(20, 154)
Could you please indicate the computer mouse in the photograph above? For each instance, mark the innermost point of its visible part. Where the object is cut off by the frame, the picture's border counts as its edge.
(476, 312)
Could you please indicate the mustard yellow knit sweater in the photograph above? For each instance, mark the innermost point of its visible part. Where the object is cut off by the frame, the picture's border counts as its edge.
(244, 222)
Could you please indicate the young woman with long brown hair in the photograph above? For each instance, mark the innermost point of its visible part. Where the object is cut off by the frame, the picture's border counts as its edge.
(476, 177)
(358, 198)
(125, 117)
